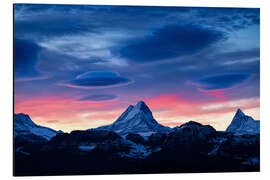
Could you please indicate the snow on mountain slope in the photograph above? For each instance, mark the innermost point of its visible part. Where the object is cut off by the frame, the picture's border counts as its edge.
(242, 124)
(136, 119)
(23, 125)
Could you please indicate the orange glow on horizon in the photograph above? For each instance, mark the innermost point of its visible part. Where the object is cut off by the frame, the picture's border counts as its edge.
(172, 110)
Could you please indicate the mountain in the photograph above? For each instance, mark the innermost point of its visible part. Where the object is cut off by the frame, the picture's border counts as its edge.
(191, 147)
(25, 127)
(242, 124)
(136, 119)
(190, 135)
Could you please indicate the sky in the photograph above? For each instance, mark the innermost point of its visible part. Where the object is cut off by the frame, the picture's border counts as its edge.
(79, 67)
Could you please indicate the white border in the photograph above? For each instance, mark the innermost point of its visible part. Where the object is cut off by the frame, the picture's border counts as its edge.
(6, 85)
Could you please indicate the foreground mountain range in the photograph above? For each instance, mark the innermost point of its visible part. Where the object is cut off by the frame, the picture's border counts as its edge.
(136, 143)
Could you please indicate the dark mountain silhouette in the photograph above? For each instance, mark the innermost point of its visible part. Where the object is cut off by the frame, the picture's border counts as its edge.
(123, 147)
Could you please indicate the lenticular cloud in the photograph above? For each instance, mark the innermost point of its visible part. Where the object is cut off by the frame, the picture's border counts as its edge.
(97, 79)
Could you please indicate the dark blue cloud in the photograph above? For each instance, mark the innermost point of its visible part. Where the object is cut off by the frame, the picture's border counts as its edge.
(98, 97)
(43, 21)
(98, 79)
(169, 42)
(229, 18)
(62, 20)
(221, 81)
(25, 57)
(50, 26)
(141, 34)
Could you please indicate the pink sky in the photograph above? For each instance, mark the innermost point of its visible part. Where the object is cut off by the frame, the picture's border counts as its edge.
(170, 109)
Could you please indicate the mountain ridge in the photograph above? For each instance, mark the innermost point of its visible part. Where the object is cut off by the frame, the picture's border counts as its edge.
(243, 124)
(190, 143)
(136, 119)
(24, 126)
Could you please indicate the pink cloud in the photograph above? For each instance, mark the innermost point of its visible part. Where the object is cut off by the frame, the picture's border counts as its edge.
(173, 105)
(168, 109)
(64, 110)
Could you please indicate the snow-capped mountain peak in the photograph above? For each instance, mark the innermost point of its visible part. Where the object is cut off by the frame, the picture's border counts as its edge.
(23, 125)
(239, 113)
(243, 124)
(23, 120)
(136, 119)
(142, 106)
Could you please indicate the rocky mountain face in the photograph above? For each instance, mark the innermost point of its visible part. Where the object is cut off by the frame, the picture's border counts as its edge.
(191, 147)
(189, 135)
(242, 124)
(86, 141)
(136, 119)
(24, 127)
(137, 143)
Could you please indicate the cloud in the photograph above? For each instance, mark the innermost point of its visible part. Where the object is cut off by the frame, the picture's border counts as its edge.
(67, 111)
(220, 81)
(232, 104)
(68, 29)
(97, 79)
(94, 47)
(174, 109)
(231, 19)
(169, 42)
(52, 121)
(48, 20)
(253, 53)
(58, 20)
(98, 97)
(26, 57)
